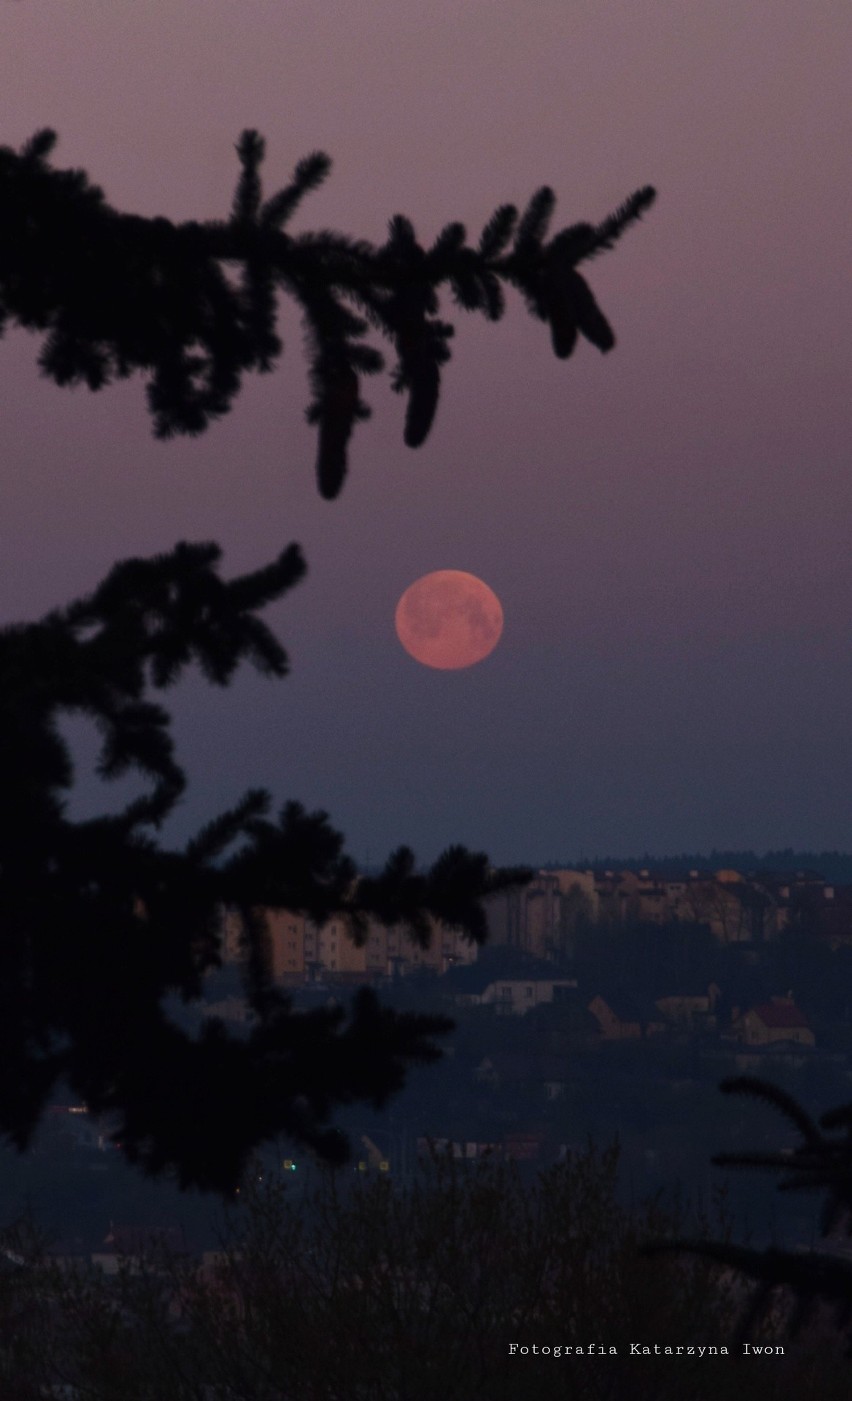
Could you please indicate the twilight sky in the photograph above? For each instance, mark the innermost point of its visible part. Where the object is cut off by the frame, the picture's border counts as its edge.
(667, 527)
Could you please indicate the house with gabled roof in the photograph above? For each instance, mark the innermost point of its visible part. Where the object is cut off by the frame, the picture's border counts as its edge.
(779, 1019)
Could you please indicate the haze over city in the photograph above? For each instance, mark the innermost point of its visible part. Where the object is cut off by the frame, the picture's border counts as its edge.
(666, 527)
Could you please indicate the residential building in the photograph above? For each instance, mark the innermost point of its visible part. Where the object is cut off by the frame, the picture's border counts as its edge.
(779, 1019)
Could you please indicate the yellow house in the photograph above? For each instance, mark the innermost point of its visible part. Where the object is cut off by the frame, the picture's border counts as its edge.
(285, 942)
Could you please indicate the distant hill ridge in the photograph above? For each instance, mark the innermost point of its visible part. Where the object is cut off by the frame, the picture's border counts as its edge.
(834, 866)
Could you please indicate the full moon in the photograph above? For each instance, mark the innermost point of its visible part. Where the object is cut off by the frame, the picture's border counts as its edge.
(449, 619)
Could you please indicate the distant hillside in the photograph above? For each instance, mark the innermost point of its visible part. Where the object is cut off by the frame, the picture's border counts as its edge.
(834, 866)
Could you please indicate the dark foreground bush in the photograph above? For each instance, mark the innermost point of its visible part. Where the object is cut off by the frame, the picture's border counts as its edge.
(372, 1292)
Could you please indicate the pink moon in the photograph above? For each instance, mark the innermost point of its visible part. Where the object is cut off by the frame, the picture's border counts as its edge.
(449, 620)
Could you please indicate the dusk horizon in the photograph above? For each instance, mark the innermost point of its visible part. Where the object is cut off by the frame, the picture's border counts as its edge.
(426, 653)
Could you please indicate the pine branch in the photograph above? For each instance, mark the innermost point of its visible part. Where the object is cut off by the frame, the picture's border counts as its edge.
(117, 294)
(246, 206)
(819, 1164)
(308, 175)
(498, 232)
(778, 1099)
(534, 221)
(607, 234)
(100, 921)
(811, 1276)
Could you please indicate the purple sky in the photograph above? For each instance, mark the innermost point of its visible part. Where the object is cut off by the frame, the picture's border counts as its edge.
(667, 527)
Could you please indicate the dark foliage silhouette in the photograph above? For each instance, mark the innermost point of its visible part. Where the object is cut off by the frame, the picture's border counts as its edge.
(194, 305)
(99, 920)
(813, 1279)
(393, 1290)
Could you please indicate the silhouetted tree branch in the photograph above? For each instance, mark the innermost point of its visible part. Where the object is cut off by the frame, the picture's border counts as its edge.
(194, 305)
(100, 921)
(821, 1163)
